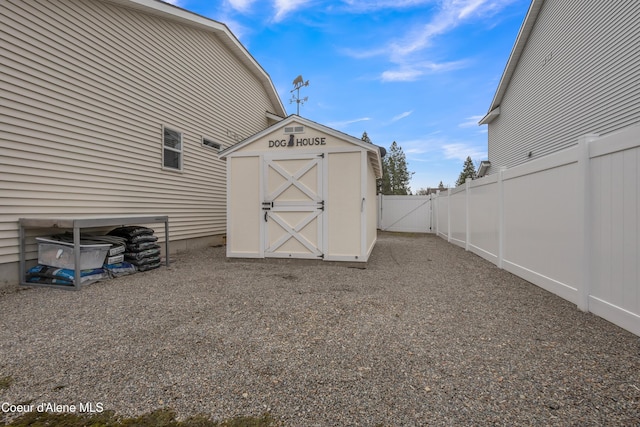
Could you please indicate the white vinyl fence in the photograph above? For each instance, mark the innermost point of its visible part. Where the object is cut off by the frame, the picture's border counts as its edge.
(568, 222)
(404, 213)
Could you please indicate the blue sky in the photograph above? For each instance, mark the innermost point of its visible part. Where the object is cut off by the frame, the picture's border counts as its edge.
(418, 72)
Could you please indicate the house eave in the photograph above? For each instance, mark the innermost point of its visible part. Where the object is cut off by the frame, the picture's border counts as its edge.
(491, 116)
(484, 167)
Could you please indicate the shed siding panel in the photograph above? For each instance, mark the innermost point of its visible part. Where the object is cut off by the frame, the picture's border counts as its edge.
(85, 88)
(372, 208)
(578, 74)
(244, 206)
(343, 204)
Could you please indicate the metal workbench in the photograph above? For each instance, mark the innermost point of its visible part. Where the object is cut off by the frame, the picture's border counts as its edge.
(77, 224)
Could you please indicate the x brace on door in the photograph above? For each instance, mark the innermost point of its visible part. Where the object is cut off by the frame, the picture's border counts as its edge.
(296, 216)
(295, 233)
(292, 180)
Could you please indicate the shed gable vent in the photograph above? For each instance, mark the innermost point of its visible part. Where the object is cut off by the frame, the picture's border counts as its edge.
(294, 129)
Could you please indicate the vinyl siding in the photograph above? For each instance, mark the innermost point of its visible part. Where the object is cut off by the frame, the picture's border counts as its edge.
(589, 83)
(85, 88)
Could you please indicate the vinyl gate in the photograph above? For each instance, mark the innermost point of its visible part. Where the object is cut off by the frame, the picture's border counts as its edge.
(405, 213)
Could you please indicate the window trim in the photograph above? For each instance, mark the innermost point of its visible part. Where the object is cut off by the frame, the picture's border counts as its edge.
(180, 151)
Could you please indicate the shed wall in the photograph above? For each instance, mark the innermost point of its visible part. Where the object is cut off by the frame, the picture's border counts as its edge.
(85, 88)
(343, 205)
(578, 74)
(371, 209)
(243, 217)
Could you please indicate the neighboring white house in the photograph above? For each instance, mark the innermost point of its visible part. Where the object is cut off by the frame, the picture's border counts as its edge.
(573, 71)
(302, 190)
(120, 107)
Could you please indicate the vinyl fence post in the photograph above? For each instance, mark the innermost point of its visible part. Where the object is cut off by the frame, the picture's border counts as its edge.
(449, 215)
(467, 191)
(437, 212)
(430, 213)
(380, 211)
(585, 237)
(501, 228)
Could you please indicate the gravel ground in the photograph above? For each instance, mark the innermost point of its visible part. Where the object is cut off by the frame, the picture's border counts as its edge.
(427, 334)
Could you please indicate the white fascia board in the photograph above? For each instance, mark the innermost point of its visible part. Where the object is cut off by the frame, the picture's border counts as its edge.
(490, 116)
(482, 170)
(273, 116)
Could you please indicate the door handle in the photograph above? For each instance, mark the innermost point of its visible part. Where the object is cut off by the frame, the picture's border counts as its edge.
(265, 215)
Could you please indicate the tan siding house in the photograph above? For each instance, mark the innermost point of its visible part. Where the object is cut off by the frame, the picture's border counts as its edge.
(121, 107)
(573, 71)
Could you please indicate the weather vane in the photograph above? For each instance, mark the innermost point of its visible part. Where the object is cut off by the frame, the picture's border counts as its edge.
(297, 84)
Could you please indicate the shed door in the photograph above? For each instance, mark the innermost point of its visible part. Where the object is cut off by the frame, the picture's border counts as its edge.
(293, 207)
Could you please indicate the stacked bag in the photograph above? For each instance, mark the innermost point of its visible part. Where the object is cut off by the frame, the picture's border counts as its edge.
(142, 249)
(51, 270)
(45, 274)
(115, 264)
(131, 249)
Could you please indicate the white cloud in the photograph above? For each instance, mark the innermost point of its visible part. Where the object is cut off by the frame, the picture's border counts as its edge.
(363, 6)
(461, 151)
(403, 75)
(402, 116)
(470, 7)
(177, 3)
(450, 15)
(417, 148)
(470, 122)
(240, 5)
(412, 72)
(283, 7)
(347, 122)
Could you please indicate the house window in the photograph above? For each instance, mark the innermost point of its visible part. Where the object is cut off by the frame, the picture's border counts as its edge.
(211, 144)
(172, 148)
(294, 129)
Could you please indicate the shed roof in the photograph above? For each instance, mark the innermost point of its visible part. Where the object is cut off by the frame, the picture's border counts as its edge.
(514, 58)
(372, 150)
(228, 39)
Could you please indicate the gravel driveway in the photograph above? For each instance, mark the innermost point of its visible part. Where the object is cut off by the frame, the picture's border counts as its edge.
(427, 334)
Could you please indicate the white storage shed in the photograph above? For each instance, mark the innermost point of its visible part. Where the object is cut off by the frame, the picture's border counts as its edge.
(299, 189)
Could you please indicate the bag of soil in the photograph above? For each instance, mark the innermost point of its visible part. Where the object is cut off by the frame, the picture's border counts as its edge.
(150, 266)
(131, 231)
(142, 246)
(63, 276)
(138, 256)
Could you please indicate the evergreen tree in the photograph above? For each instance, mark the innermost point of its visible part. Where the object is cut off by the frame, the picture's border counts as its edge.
(396, 176)
(365, 138)
(379, 181)
(468, 171)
